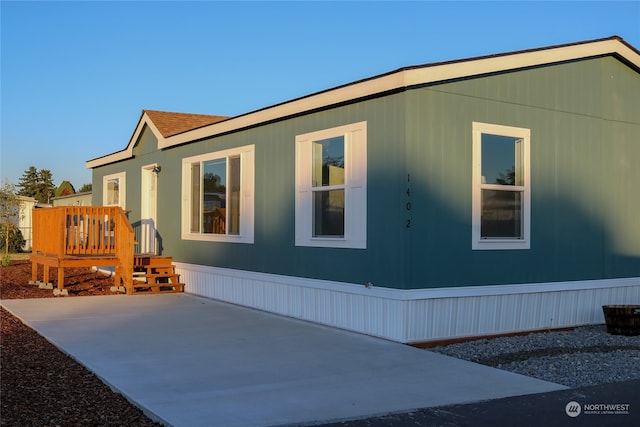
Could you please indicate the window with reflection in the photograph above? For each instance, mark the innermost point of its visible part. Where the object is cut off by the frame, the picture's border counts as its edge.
(331, 187)
(113, 190)
(218, 196)
(502, 187)
(328, 187)
(501, 193)
(215, 196)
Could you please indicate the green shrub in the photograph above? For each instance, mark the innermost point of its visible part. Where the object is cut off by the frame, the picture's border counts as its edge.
(16, 241)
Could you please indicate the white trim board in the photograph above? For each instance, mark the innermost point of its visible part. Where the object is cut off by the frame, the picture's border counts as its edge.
(414, 315)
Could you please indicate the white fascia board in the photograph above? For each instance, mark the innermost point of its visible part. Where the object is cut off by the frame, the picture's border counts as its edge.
(488, 65)
(320, 100)
(127, 153)
(111, 158)
(392, 81)
(411, 77)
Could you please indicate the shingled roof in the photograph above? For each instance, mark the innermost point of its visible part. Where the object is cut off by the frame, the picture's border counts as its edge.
(170, 124)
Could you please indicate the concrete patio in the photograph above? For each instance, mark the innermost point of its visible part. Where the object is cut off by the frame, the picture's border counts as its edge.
(190, 361)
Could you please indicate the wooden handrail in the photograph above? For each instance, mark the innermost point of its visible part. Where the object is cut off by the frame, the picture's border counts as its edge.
(124, 249)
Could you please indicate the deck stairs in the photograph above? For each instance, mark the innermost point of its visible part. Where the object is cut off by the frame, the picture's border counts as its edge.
(153, 274)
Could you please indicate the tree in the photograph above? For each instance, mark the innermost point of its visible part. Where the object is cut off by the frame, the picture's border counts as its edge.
(9, 213)
(37, 184)
(65, 189)
(46, 187)
(213, 183)
(507, 177)
(86, 188)
(28, 183)
(11, 240)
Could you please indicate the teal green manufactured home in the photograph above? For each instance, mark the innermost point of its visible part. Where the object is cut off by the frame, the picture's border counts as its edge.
(479, 196)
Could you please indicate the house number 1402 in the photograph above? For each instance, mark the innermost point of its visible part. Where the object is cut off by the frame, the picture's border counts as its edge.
(408, 204)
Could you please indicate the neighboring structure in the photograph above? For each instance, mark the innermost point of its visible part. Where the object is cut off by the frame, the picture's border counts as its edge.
(29, 203)
(24, 220)
(76, 199)
(471, 197)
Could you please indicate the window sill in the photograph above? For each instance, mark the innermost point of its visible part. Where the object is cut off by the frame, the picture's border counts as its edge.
(500, 244)
(218, 238)
(331, 242)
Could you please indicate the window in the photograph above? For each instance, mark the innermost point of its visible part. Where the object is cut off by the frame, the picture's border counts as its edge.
(217, 193)
(501, 187)
(331, 193)
(113, 190)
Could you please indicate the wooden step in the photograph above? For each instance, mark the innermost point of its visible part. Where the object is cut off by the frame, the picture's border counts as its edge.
(151, 260)
(155, 274)
(159, 278)
(160, 288)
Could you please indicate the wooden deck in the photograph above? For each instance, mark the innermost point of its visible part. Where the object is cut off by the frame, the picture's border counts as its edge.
(82, 236)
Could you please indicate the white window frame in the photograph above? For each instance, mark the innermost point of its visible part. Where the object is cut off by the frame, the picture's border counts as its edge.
(122, 189)
(247, 173)
(355, 187)
(478, 243)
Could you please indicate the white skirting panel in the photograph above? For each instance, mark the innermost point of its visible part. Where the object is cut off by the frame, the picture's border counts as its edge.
(415, 315)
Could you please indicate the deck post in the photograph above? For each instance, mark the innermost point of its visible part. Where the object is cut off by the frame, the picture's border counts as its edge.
(60, 278)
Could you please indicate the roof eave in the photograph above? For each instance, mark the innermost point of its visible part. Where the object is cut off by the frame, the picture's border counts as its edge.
(394, 81)
(419, 75)
(127, 153)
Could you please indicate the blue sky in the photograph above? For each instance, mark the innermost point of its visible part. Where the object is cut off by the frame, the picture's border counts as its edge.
(75, 76)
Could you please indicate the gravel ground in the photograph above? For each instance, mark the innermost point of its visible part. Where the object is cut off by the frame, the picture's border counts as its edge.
(581, 357)
(41, 386)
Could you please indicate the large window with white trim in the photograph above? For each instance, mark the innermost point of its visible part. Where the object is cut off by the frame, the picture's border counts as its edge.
(217, 196)
(331, 193)
(113, 190)
(501, 187)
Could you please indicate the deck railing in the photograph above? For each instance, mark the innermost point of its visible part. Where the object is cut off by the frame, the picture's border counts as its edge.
(81, 230)
(85, 231)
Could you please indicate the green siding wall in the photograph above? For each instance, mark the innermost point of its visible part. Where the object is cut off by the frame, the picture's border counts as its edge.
(585, 132)
(585, 125)
(274, 250)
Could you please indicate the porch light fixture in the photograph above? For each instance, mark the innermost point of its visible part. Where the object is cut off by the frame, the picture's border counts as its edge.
(156, 169)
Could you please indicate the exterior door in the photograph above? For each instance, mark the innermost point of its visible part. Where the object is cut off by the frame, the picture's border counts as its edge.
(148, 240)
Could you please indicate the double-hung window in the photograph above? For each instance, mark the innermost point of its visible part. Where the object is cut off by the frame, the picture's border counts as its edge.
(217, 196)
(113, 190)
(501, 187)
(331, 192)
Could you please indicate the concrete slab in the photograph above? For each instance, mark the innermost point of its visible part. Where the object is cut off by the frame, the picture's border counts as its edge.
(190, 361)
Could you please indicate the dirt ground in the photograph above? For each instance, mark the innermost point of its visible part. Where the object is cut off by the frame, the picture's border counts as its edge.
(14, 281)
(40, 385)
